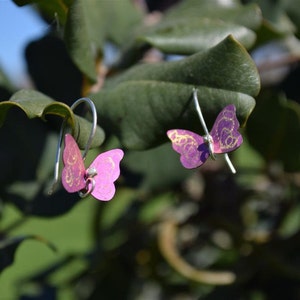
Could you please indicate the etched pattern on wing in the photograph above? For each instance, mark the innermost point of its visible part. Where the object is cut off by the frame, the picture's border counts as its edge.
(107, 166)
(192, 148)
(74, 170)
(224, 133)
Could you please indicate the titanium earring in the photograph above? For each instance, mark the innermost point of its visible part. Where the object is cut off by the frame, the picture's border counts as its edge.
(195, 149)
(208, 137)
(97, 180)
(62, 129)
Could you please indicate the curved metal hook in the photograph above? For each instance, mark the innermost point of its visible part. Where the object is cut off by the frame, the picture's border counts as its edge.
(62, 129)
(208, 137)
(93, 131)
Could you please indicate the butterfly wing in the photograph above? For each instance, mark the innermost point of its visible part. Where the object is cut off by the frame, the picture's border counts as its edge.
(192, 148)
(107, 166)
(74, 170)
(224, 133)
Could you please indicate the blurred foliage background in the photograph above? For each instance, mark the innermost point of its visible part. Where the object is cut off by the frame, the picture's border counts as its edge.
(169, 233)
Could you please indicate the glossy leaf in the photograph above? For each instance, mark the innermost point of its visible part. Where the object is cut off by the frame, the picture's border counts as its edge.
(226, 66)
(142, 119)
(90, 23)
(231, 11)
(125, 17)
(54, 10)
(31, 102)
(83, 38)
(190, 36)
(38, 105)
(141, 104)
(193, 25)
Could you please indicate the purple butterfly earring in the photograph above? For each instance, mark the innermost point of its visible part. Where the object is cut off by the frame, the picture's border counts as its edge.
(224, 137)
(98, 179)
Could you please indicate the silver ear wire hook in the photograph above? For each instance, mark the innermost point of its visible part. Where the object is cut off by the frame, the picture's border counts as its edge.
(61, 132)
(93, 131)
(208, 137)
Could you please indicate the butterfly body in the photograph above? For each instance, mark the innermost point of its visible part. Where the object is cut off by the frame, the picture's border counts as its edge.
(194, 149)
(98, 179)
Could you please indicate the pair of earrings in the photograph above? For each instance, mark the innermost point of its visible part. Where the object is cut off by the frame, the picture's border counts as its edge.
(224, 137)
(98, 179)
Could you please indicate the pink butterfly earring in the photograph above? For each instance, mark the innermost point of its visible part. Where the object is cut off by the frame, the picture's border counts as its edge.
(98, 179)
(224, 137)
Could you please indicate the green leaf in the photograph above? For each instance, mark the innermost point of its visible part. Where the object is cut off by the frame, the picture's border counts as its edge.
(71, 236)
(141, 104)
(54, 2)
(267, 33)
(249, 163)
(291, 222)
(191, 36)
(292, 8)
(274, 136)
(90, 23)
(58, 109)
(52, 9)
(125, 17)
(114, 210)
(230, 11)
(37, 105)
(5, 82)
(9, 246)
(83, 36)
(56, 10)
(140, 112)
(192, 26)
(153, 210)
(31, 102)
(226, 66)
(276, 17)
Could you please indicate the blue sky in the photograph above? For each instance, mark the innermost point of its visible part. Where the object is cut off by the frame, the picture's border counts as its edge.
(18, 25)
